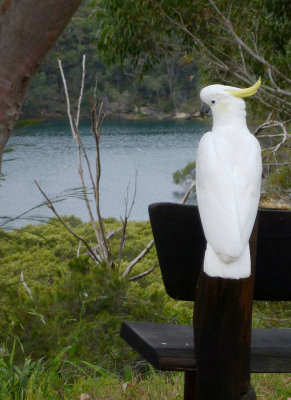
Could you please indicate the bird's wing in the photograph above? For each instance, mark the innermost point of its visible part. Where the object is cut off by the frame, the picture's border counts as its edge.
(227, 196)
(247, 175)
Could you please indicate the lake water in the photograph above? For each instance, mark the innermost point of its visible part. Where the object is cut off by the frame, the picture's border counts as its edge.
(47, 153)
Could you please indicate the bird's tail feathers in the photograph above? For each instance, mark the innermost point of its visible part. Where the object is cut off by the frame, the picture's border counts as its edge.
(227, 267)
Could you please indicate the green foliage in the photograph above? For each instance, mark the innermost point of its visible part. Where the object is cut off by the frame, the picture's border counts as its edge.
(63, 379)
(14, 379)
(75, 302)
(149, 31)
(138, 29)
(185, 177)
(164, 88)
(181, 176)
(277, 188)
(76, 314)
(80, 264)
(280, 180)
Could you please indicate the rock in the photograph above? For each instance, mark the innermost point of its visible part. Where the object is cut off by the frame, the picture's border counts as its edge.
(148, 112)
(182, 115)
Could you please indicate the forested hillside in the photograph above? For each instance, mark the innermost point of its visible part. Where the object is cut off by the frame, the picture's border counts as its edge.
(168, 87)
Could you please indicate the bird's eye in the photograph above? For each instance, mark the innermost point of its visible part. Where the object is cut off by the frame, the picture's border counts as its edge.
(212, 101)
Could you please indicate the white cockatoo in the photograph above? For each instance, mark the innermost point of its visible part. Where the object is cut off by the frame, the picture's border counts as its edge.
(228, 181)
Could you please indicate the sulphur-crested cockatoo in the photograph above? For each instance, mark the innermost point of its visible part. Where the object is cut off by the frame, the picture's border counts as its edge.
(228, 181)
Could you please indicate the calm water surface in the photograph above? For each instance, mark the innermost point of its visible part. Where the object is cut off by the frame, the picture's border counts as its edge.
(47, 153)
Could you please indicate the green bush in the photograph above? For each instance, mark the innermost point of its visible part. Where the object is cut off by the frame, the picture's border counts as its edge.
(280, 180)
(76, 311)
(74, 301)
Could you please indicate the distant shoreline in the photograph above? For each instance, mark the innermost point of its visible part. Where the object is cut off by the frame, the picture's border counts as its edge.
(147, 114)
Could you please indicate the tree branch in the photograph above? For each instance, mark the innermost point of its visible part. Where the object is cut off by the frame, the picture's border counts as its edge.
(151, 243)
(50, 205)
(240, 42)
(142, 274)
(125, 220)
(81, 148)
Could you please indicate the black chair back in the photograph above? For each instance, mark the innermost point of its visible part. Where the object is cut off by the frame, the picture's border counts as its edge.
(180, 245)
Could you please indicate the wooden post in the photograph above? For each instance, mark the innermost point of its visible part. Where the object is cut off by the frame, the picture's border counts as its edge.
(222, 335)
(190, 385)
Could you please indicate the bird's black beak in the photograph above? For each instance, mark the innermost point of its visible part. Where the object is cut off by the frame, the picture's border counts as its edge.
(205, 110)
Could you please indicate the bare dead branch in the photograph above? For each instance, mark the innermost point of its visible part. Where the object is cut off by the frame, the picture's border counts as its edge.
(112, 233)
(240, 42)
(243, 59)
(67, 98)
(81, 174)
(87, 161)
(79, 247)
(271, 153)
(138, 258)
(265, 125)
(109, 236)
(81, 90)
(25, 286)
(97, 120)
(224, 63)
(122, 243)
(74, 123)
(151, 243)
(277, 164)
(134, 194)
(51, 206)
(125, 220)
(188, 192)
(266, 103)
(142, 274)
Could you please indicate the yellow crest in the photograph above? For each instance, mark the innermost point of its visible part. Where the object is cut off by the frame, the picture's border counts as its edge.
(246, 92)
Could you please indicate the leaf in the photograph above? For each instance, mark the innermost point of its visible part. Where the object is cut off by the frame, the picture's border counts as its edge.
(98, 369)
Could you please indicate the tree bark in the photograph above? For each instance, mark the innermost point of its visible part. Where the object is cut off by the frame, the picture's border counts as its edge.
(222, 327)
(28, 30)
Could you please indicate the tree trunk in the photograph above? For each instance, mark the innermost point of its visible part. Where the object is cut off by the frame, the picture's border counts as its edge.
(28, 30)
(222, 326)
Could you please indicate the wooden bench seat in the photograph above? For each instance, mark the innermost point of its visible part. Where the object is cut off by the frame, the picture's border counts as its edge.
(180, 245)
(170, 347)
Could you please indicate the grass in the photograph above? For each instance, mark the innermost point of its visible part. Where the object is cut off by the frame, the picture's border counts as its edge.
(60, 326)
(63, 379)
(169, 386)
(155, 386)
(272, 386)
